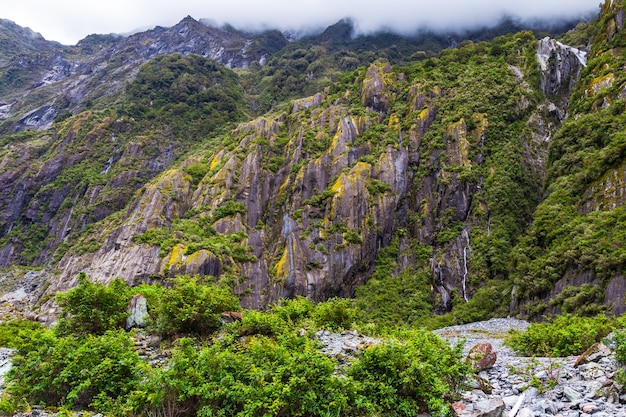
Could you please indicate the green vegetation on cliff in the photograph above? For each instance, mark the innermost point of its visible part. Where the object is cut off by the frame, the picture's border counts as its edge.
(573, 251)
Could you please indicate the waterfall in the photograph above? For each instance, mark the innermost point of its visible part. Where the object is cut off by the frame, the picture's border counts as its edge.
(465, 271)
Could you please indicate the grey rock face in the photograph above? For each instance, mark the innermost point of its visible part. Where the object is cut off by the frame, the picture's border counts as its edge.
(560, 67)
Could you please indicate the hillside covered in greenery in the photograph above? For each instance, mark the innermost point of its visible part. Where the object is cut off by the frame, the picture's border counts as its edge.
(428, 185)
(260, 192)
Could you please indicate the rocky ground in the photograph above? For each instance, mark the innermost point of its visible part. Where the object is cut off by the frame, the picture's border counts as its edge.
(536, 387)
(509, 386)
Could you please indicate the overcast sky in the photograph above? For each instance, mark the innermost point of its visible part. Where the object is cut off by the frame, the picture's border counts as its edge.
(68, 21)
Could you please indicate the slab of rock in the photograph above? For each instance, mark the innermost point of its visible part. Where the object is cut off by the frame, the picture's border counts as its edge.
(483, 408)
(596, 352)
(231, 317)
(482, 356)
(591, 371)
(572, 394)
(138, 311)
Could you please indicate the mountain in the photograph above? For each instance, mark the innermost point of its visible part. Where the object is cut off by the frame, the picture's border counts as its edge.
(484, 179)
(36, 88)
(16, 40)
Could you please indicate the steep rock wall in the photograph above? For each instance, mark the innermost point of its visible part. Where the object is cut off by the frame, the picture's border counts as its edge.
(316, 192)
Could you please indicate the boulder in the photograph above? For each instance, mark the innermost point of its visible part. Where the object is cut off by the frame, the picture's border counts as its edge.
(231, 317)
(482, 356)
(482, 408)
(138, 311)
(591, 371)
(596, 352)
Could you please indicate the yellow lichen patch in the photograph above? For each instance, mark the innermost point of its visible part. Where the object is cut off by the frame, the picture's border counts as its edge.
(360, 170)
(284, 185)
(100, 127)
(482, 123)
(282, 266)
(459, 146)
(73, 124)
(338, 186)
(216, 160)
(197, 258)
(222, 175)
(600, 84)
(424, 113)
(348, 181)
(394, 123)
(176, 258)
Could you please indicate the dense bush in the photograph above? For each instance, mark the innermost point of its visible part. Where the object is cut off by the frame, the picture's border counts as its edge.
(619, 338)
(404, 379)
(335, 314)
(294, 310)
(264, 377)
(259, 323)
(90, 371)
(263, 365)
(563, 336)
(192, 306)
(288, 376)
(17, 333)
(93, 308)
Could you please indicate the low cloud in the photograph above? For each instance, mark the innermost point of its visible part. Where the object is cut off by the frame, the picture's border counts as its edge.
(68, 21)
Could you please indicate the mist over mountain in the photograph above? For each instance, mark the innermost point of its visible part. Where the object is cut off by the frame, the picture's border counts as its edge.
(68, 21)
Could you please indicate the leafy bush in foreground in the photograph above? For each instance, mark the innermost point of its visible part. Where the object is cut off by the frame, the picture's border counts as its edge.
(17, 333)
(563, 336)
(287, 375)
(404, 379)
(264, 377)
(90, 371)
(263, 365)
(620, 354)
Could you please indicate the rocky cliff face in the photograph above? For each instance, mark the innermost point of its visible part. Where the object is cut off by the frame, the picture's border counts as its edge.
(302, 202)
(576, 262)
(442, 160)
(561, 66)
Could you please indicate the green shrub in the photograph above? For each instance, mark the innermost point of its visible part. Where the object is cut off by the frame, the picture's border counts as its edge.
(378, 187)
(93, 308)
(264, 377)
(193, 307)
(229, 209)
(197, 171)
(259, 323)
(619, 339)
(295, 310)
(563, 336)
(405, 379)
(335, 314)
(353, 237)
(76, 371)
(18, 333)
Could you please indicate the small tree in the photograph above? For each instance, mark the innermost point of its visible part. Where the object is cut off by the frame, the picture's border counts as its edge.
(193, 307)
(93, 308)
